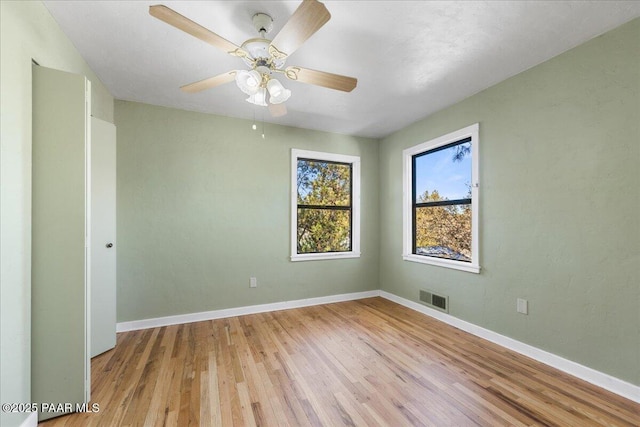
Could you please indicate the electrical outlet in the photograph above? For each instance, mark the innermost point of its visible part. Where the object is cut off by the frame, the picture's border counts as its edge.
(253, 282)
(522, 306)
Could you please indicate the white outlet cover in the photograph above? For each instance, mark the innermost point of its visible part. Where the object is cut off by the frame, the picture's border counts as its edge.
(253, 282)
(522, 306)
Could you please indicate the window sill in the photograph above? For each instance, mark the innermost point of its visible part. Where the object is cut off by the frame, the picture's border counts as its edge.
(456, 265)
(331, 255)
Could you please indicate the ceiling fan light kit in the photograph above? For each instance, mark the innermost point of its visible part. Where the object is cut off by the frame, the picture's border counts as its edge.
(264, 57)
(258, 98)
(248, 81)
(277, 93)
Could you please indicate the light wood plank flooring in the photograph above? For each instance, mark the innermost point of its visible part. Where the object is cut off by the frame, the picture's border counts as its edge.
(365, 363)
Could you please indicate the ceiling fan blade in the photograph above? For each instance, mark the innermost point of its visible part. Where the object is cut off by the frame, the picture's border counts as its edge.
(173, 18)
(277, 110)
(321, 78)
(308, 18)
(210, 82)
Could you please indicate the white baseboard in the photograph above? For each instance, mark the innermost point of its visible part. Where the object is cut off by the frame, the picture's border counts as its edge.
(31, 420)
(600, 379)
(239, 311)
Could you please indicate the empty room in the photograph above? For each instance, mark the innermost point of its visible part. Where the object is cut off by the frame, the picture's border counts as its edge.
(320, 213)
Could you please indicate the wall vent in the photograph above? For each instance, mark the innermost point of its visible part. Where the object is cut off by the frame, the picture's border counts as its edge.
(439, 302)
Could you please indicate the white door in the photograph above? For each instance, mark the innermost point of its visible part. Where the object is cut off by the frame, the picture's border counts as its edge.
(103, 235)
(60, 240)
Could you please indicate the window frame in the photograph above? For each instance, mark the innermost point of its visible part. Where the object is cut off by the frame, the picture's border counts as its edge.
(408, 226)
(354, 161)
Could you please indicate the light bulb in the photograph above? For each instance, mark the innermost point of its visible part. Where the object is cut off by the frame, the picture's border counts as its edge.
(254, 127)
(275, 87)
(251, 81)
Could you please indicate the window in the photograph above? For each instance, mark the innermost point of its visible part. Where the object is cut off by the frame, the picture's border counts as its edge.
(325, 205)
(440, 203)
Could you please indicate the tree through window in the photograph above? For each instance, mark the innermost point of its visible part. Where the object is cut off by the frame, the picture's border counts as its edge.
(442, 201)
(325, 204)
(441, 193)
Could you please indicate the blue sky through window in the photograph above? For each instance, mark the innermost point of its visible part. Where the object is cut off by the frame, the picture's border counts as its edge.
(438, 171)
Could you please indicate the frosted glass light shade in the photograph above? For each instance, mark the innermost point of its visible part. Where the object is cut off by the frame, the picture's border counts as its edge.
(278, 93)
(248, 81)
(258, 98)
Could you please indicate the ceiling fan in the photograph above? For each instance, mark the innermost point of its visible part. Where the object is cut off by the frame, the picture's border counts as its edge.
(264, 58)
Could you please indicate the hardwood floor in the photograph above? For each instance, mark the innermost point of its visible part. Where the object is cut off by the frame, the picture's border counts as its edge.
(365, 363)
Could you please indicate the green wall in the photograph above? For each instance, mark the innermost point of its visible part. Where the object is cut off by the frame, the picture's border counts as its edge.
(203, 204)
(27, 31)
(559, 206)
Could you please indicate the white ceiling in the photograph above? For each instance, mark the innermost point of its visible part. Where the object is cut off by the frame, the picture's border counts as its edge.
(411, 58)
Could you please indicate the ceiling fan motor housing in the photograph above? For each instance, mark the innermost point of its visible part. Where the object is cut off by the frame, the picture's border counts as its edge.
(258, 50)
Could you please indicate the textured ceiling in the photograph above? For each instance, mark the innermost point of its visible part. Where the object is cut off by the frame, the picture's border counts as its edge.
(411, 58)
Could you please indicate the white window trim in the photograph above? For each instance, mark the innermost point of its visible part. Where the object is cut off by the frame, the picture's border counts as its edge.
(407, 225)
(355, 208)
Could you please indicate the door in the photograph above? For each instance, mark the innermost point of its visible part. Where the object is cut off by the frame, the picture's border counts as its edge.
(60, 239)
(103, 234)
